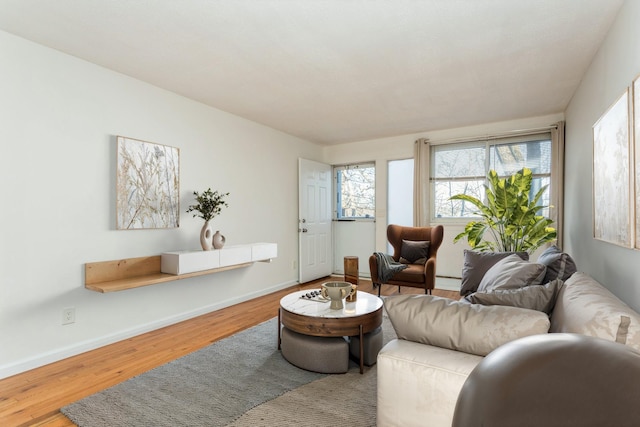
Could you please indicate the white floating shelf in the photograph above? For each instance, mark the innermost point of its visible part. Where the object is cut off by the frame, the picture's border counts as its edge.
(232, 255)
(130, 273)
(183, 262)
(264, 251)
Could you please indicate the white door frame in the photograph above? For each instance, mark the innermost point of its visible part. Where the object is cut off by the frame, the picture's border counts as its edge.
(314, 220)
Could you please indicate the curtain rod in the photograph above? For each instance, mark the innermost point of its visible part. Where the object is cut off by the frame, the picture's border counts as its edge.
(519, 132)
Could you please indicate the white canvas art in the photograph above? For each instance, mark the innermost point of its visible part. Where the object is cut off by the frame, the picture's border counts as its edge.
(147, 185)
(611, 175)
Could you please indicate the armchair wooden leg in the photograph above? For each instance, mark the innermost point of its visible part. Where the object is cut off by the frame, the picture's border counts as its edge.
(398, 289)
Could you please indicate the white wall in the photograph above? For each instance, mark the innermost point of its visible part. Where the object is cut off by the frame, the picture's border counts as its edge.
(353, 238)
(450, 255)
(60, 116)
(613, 69)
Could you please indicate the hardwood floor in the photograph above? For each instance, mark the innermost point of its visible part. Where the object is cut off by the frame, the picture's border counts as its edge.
(34, 398)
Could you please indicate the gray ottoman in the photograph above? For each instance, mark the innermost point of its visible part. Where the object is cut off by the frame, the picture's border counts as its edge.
(372, 346)
(328, 355)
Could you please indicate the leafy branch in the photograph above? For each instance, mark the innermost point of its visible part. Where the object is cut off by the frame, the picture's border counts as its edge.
(209, 204)
(509, 216)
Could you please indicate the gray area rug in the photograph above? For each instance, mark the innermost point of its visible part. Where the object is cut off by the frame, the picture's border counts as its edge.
(239, 381)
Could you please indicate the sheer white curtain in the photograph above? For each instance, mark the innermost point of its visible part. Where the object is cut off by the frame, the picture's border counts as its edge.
(557, 179)
(421, 156)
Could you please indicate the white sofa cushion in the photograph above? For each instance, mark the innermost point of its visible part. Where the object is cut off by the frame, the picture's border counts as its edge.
(586, 307)
(471, 328)
(418, 385)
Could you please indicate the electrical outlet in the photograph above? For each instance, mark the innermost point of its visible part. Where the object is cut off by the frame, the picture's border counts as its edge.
(294, 264)
(68, 316)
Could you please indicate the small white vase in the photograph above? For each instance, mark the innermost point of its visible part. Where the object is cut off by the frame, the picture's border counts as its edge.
(206, 237)
(218, 240)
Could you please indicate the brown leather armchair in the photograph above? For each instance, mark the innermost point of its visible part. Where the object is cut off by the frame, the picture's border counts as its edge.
(415, 275)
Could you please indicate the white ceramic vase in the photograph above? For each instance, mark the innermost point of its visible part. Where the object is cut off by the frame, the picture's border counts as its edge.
(218, 240)
(206, 237)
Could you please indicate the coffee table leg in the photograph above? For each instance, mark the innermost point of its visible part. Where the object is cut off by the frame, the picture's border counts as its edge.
(361, 351)
(279, 339)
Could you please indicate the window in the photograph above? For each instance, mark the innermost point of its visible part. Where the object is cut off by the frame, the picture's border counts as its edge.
(461, 168)
(355, 191)
(400, 192)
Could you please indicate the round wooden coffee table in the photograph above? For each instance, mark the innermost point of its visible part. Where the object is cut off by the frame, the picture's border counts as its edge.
(315, 318)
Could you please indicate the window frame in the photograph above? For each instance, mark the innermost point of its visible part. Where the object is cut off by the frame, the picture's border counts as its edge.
(488, 143)
(337, 191)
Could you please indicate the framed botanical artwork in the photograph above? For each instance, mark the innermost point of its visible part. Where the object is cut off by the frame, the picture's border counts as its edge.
(612, 206)
(147, 185)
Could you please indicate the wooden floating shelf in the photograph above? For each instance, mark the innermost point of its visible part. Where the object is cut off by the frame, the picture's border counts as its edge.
(130, 273)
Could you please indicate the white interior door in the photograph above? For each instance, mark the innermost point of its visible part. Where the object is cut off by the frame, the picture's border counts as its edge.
(314, 222)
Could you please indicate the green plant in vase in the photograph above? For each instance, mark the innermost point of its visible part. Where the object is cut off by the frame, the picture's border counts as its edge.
(510, 217)
(209, 205)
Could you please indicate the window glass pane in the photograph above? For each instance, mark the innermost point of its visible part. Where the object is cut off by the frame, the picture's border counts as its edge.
(446, 208)
(545, 200)
(355, 191)
(507, 159)
(459, 160)
(461, 168)
(400, 192)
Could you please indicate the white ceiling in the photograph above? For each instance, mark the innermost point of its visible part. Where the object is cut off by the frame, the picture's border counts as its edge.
(334, 71)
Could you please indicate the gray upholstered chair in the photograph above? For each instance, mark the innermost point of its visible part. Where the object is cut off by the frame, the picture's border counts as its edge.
(415, 275)
(551, 380)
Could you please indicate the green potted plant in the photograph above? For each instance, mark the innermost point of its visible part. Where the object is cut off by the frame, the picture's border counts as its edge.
(209, 205)
(510, 218)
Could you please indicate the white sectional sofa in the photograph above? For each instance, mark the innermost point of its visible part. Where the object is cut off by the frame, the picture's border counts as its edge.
(440, 341)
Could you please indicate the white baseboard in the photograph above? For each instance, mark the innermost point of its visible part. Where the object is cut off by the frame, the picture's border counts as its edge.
(94, 343)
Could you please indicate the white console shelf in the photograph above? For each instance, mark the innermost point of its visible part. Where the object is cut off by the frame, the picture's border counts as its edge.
(183, 262)
(129, 273)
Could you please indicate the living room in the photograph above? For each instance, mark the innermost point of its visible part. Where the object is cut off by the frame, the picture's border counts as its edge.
(61, 117)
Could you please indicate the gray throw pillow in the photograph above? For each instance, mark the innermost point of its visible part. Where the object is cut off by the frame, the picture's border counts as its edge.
(512, 272)
(476, 264)
(534, 297)
(559, 264)
(414, 252)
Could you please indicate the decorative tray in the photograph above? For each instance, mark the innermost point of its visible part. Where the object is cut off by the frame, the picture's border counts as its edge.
(314, 296)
